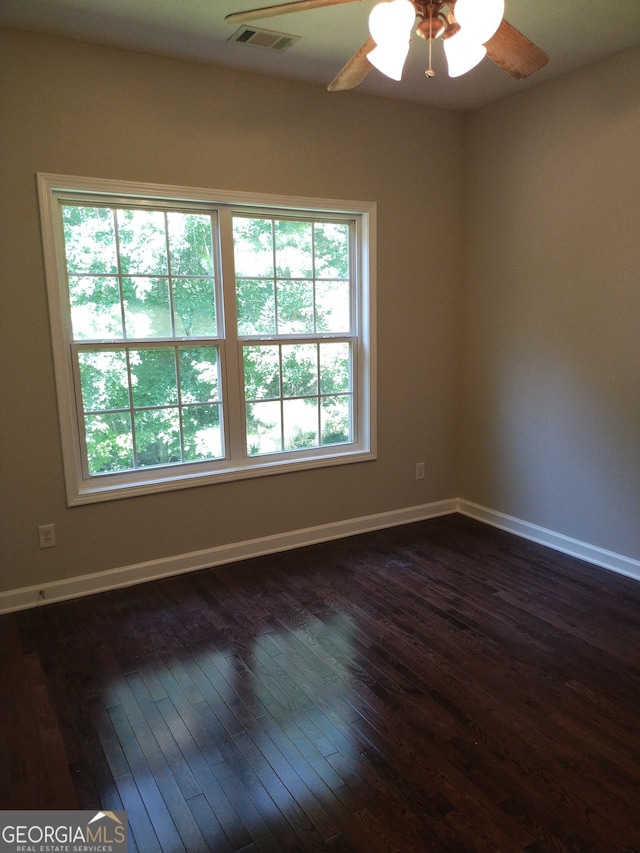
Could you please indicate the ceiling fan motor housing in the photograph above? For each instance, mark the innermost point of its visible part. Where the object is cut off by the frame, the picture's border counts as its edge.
(429, 28)
(434, 22)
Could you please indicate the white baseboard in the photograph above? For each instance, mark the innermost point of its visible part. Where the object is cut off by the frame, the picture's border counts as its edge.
(565, 544)
(75, 587)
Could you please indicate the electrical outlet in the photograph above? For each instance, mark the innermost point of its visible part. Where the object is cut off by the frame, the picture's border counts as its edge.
(419, 470)
(47, 534)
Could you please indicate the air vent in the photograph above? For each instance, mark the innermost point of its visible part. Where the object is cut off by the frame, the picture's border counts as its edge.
(263, 38)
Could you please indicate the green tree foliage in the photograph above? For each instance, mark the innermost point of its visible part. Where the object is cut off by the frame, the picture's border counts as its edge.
(137, 275)
(292, 278)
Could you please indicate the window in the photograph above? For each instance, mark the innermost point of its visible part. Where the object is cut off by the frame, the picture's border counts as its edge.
(201, 337)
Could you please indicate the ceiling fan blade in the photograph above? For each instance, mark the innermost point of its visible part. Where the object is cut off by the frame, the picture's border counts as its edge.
(514, 53)
(281, 9)
(355, 70)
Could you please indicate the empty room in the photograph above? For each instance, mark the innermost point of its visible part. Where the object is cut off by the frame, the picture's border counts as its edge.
(320, 520)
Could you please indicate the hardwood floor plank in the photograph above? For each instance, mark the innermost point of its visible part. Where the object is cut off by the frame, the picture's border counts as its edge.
(108, 739)
(185, 724)
(140, 824)
(195, 744)
(217, 692)
(441, 687)
(209, 825)
(261, 827)
(264, 804)
(165, 740)
(145, 782)
(287, 799)
(171, 792)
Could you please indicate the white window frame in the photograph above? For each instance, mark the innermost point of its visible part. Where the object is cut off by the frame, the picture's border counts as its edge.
(82, 488)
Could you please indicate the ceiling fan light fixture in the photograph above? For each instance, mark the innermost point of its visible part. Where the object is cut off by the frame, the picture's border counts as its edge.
(479, 18)
(463, 53)
(390, 24)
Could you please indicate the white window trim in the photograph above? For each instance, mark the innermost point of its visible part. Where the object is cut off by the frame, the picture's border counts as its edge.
(82, 490)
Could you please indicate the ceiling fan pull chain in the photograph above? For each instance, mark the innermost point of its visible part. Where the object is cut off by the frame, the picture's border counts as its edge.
(430, 72)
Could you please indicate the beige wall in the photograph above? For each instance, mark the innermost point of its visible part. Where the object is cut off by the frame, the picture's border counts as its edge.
(522, 396)
(550, 410)
(71, 108)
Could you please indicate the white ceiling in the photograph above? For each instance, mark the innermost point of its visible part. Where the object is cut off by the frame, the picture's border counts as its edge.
(572, 33)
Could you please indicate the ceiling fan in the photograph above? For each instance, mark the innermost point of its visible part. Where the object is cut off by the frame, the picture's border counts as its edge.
(461, 24)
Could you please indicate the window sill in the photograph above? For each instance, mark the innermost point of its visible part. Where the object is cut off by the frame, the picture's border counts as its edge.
(99, 489)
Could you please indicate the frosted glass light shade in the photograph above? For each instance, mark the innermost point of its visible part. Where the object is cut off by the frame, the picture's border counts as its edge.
(389, 61)
(479, 19)
(463, 53)
(390, 25)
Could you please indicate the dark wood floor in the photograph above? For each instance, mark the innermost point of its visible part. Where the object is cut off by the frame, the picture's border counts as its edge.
(437, 687)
